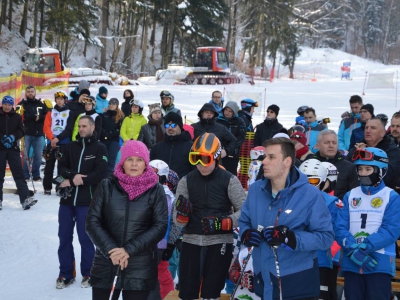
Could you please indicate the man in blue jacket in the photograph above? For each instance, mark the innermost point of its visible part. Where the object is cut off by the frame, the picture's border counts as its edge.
(296, 222)
(217, 100)
(313, 128)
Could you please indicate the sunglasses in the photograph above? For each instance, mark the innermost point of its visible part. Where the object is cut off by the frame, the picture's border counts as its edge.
(173, 125)
(315, 181)
(196, 158)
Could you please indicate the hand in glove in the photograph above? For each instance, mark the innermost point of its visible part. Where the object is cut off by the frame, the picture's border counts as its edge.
(251, 238)
(213, 224)
(247, 280)
(8, 140)
(167, 253)
(280, 236)
(64, 192)
(184, 209)
(360, 255)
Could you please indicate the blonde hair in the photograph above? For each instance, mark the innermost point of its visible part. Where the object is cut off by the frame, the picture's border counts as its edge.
(119, 116)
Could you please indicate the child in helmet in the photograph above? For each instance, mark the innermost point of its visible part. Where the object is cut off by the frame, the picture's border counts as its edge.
(323, 175)
(367, 228)
(167, 103)
(90, 104)
(256, 155)
(133, 123)
(248, 106)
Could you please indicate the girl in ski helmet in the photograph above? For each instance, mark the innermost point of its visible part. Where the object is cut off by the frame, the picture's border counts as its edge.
(90, 104)
(256, 156)
(133, 123)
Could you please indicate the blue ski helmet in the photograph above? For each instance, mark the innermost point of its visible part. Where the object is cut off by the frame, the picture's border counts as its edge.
(248, 103)
(371, 157)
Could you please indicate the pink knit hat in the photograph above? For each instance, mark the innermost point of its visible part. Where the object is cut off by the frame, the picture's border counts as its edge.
(135, 148)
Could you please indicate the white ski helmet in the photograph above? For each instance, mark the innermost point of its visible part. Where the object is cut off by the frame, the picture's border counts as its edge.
(160, 167)
(315, 171)
(256, 152)
(332, 175)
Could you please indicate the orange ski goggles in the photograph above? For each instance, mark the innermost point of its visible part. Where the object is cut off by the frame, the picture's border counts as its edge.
(196, 158)
(315, 181)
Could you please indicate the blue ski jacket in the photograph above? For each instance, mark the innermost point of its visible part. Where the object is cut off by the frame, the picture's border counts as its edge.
(312, 131)
(101, 104)
(302, 208)
(346, 129)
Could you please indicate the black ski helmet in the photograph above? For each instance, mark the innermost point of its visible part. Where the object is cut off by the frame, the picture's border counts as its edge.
(301, 110)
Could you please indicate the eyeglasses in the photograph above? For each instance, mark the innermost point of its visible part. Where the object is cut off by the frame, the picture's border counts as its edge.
(196, 158)
(315, 181)
(172, 125)
(362, 154)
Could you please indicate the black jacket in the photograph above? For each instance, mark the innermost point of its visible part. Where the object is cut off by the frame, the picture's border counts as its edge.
(126, 108)
(11, 123)
(110, 129)
(148, 133)
(85, 156)
(174, 150)
(347, 177)
(266, 130)
(113, 221)
(247, 118)
(33, 108)
(237, 127)
(228, 141)
(76, 107)
(393, 153)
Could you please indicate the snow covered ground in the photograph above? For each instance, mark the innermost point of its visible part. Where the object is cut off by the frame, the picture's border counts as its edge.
(28, 239)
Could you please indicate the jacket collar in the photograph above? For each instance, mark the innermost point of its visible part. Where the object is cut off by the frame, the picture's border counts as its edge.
(372, 190)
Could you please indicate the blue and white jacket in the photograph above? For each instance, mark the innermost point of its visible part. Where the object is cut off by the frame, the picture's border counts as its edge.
(345, 130)
(302, 208)
(370, 215)
(312, 131)
(101, 104)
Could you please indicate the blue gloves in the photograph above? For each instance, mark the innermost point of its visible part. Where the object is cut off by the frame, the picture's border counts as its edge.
(360, 255)
(252, 238)
(280, 236)
(8, 140)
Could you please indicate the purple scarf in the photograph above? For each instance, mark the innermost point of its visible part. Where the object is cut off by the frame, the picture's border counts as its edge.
(136, 186)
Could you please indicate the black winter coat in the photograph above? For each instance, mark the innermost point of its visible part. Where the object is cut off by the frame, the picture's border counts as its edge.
(266, 130)
(126, 108)
(227, 139)
(76, 107)
(347, 177)
(237, 127)
(85, 156)
(113, 222)
(110, 130)
(247, 118)
(148, 133)
(174, 150)
(33, 108)
(393, 153)
(11, 123)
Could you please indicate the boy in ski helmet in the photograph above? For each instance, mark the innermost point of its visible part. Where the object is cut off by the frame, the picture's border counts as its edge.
(367, 228)
(167, 103)
(248, 106)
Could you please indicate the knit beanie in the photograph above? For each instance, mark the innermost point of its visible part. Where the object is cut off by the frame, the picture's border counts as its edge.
(83, 84)
(114, 101)
(174, 118)
(300, 137)
(368, 107)
(135, 148)
(103, 90)
(275, 108)
(85, 92)
(154, 107)
(8, 100)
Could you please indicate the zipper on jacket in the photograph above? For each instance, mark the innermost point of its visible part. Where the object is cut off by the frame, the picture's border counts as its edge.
(170, 154)
(79, 169)
(124, 236)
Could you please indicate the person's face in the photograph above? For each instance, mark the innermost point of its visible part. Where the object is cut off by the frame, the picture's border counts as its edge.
(85, 129)
(112, 106)
(127, 94)
(88, 106)
(30, 93)
(205, 170)
(271, 114)
(104, 95)
(216, 98)
(135, 109)
(7, 107)
(173, 131)
(365, 115)
(228, 113)
(395, 128)
(207, 114)
(60, 101)
(156, 115)
(328, 145)
(274, 164)
(355, 107)
(374, 132)
(134, 166)
(166, 101)
(309, 117)
(365, 170)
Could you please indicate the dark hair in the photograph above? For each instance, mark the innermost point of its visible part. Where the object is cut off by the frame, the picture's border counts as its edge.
(30, 87)
(396, 115)
(310, 109)
(287, 147)
(130, 92)
(212, 95)
(356, 99)
(89, 118)
(284, 130)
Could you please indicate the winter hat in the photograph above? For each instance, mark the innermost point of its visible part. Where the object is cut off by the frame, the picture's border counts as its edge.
(8, 100)
(368, 107)
(174, 118)
(154, 107)
(83, 84)
(300, 137)
(103, 90)
(135, 148)
(232, 105)
(209, 107)
(281, 134)
(85, 91)
(114, 101)
(275, 108)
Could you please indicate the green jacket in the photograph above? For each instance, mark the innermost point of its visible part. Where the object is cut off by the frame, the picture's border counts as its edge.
(131, 126)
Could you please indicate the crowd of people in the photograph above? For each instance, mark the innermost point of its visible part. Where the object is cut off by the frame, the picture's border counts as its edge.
(156, 198)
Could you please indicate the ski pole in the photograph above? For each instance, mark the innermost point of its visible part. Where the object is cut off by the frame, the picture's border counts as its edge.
(28, 164)
(245, 262)
(115, 281)
(278, 272)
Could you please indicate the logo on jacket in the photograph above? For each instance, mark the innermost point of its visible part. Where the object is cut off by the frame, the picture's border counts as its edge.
(356, 202)
(64, 115)
(376, 202)
(89, 157)
(339, 204)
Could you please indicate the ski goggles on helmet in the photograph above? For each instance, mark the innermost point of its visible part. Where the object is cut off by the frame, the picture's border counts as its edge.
(196, 158)
(59, 95)
(134, 102)
(315, 181)
(362, 154)
(172, 125)
(165, 94)
(88, 100)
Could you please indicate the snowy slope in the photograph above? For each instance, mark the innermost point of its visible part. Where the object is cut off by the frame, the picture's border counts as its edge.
(28, 239)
